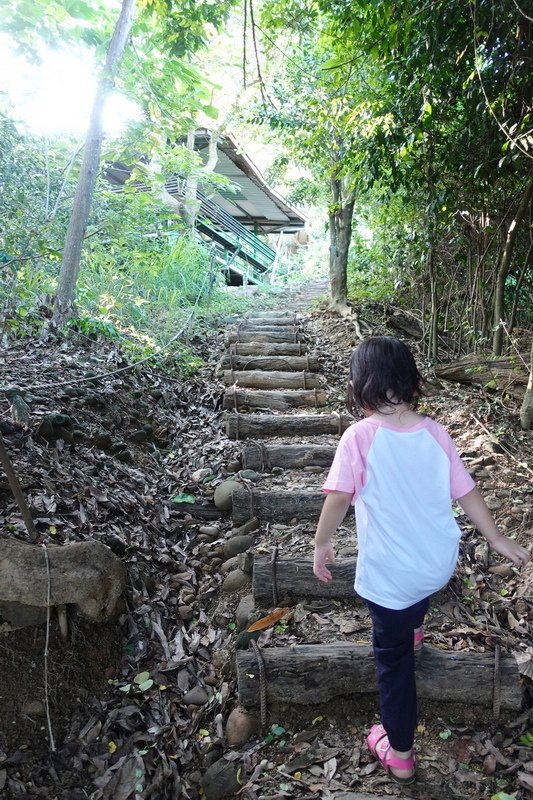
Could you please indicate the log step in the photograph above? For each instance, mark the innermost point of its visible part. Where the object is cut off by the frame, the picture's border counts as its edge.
(309, 674)
(255, 426)
(245, 399)
(281, 315)
(289, 456)
(256, 336)
(263, 327)
(275, 506)
(273, 379)
(270, 321)
(294, 578)
(259, 362)
(268, 348)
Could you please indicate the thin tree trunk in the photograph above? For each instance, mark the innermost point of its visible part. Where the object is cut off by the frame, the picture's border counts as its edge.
(79, 217)
(504, 266)
(340, 231)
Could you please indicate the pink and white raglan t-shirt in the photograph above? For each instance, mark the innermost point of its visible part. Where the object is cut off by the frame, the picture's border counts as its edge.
(403, 481)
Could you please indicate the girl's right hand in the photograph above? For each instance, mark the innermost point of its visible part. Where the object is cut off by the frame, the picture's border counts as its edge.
(324, 553)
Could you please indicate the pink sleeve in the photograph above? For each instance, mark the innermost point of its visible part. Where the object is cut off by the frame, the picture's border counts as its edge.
(461, 482)
(347, 471)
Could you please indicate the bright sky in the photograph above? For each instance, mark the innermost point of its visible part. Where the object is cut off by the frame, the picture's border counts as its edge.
(56, 95)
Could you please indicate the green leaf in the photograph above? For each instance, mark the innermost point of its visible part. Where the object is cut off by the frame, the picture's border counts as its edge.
(211, 111)
(145, 685)
(278, 730)
(141, 677)
(444, 735)
(183, 497)
(502, 796)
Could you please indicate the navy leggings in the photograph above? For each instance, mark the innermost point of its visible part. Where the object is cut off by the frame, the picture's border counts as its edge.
(392, 639)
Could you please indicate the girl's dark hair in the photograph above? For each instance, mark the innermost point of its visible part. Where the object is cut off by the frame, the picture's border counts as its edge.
(383, 372)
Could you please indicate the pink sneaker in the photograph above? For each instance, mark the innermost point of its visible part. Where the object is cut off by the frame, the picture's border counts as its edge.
(379, 746)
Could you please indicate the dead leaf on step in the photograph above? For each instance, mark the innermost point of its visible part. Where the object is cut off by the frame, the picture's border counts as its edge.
(269, 620)
(525, 662)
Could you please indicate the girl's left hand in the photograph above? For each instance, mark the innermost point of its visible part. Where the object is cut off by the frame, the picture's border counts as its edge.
(324, 553)
(511, 550)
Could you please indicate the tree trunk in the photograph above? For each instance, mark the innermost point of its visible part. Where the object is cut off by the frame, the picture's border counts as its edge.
(294, 578)
(288, 456)
(257, 379)
(504, 266)
(340, 234)
(244, 400)
(526, 411)
(310, 673)
(268, 349)
(246, 426)
(275, 506)
(81, 207)
(280, 363)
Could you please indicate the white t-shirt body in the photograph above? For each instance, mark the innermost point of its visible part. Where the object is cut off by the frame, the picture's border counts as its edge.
(403, 481)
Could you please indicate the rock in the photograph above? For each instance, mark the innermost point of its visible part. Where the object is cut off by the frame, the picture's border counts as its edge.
(244, 610)
(238, 544)
(313, 468)
(139, 436)
(188, 597)
(233, 466)
(248, 527)
(250, 475)
(195, 697)
(220, 658)
(237, 579)
(34, 708)
(186, 613)
(223, 498)
(276, 470)
(240, 727)
(245, 562)
(220, 780)
(229, 565)
(493, 502)
(199, 475)
(210, 530)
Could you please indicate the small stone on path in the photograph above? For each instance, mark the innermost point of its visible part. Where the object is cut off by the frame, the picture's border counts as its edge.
(235, 580)
(237, 544)
(244, 611)
(196, 697)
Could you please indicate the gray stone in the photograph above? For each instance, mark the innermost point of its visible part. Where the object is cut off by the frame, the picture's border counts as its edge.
(237, 544)
(186, 613)
(210, 530)
(196, 697)
(248, 527)
(244, 610)
(313, 468)
(220, 780)
(229, 565)
(240, 727)
(237, 579)
(250, 475)
(493, 502)
(223, 498)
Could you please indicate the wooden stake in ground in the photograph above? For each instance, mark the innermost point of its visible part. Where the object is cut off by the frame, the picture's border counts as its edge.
(14, 485)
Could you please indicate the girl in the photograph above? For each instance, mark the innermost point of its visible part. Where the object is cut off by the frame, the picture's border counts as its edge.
(401, 470)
